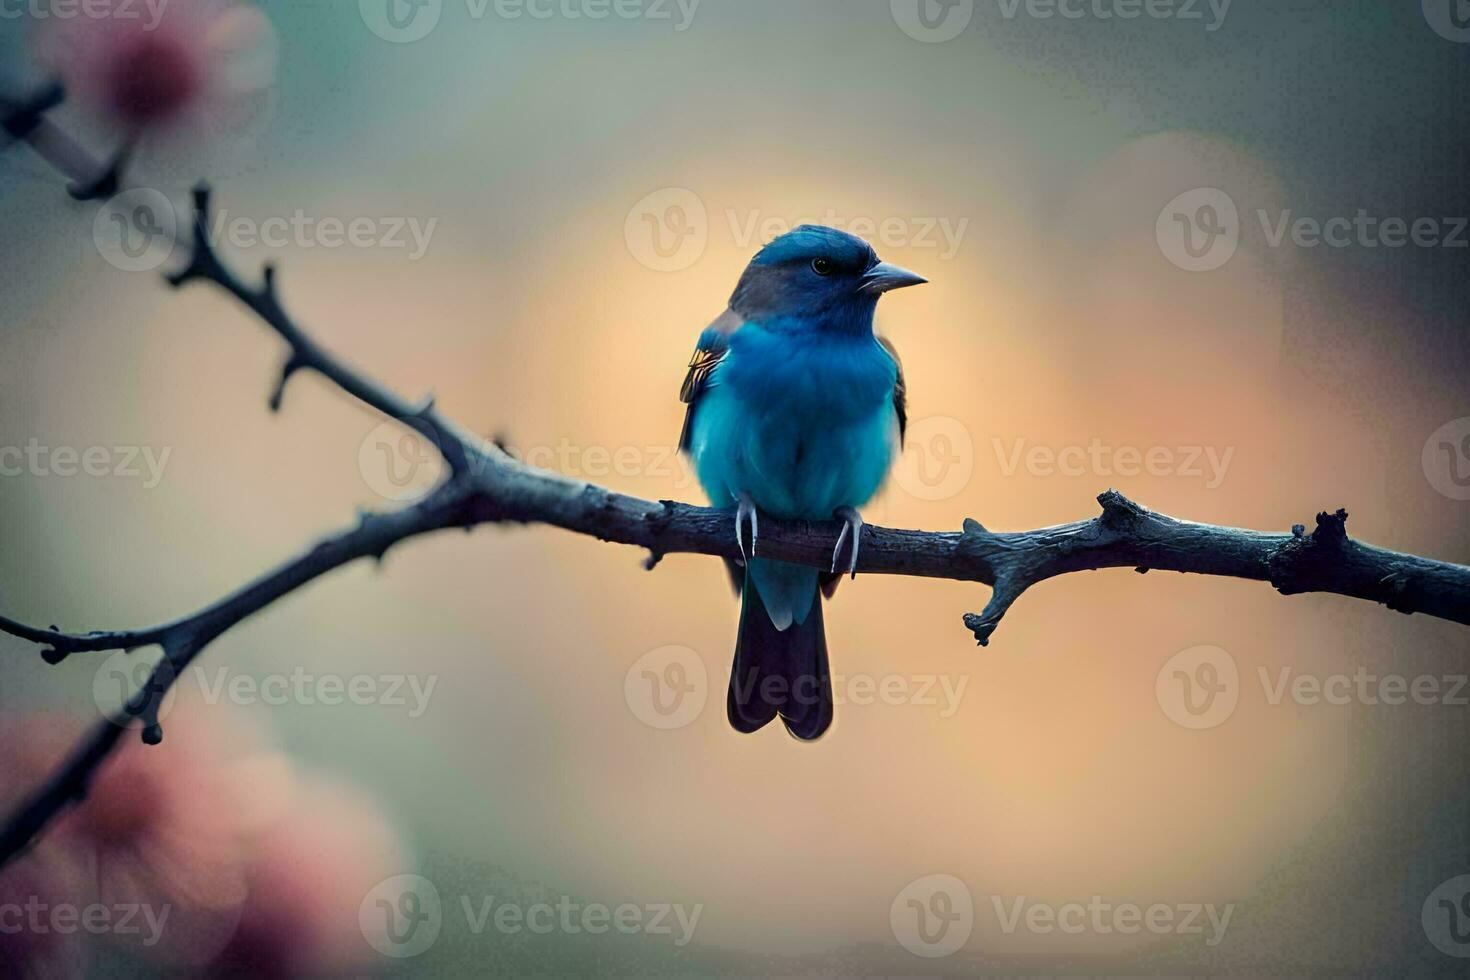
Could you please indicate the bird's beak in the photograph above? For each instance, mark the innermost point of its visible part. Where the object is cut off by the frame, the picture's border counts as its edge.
(886, 276)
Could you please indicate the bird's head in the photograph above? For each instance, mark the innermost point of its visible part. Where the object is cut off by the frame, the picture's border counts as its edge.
(817, 278)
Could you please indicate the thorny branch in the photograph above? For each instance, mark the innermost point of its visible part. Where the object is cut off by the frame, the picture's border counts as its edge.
(485, 485)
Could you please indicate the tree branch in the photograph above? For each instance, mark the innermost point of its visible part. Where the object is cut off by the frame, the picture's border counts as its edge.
(487, 485)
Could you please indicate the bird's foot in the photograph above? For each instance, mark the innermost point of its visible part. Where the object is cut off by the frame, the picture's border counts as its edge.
(744, 510)
(852, 524)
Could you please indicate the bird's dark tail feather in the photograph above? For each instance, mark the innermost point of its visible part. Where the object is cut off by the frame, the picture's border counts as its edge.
(780, 673)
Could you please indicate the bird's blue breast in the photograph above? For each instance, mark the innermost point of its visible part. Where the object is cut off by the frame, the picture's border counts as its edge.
(801, 420)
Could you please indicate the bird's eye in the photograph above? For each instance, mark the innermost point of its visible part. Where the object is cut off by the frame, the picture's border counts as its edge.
(823, 266)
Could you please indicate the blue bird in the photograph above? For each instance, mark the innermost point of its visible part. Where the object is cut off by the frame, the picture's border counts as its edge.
(796, 410)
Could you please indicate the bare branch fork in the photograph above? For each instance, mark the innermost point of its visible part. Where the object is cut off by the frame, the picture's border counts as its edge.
(485, 485)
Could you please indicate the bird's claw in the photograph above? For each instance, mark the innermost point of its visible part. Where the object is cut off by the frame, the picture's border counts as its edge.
(744, 510)
(852, 523)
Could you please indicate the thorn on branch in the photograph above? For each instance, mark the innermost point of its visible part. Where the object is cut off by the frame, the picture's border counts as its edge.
(203, 263)
(661, 517)
(1331, 528)
(425, 421)
(288, 369)
(1006, 591)
(1118, 510)
(1301, 563)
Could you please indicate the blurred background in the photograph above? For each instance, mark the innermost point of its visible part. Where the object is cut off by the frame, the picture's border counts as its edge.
(548, 200)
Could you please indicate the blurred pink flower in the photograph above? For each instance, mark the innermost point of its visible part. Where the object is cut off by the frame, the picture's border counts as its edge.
(311, 873)
(198, 61)
(260, 872)
(30, 889)
(162, 826)
(44, 877)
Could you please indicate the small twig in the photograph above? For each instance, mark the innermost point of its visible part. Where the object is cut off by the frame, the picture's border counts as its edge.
(26, 121)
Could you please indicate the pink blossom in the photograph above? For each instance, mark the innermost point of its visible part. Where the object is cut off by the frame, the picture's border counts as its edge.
(162, 826)
(198, 61)
(260, 870)
(311, 872)
(31, 889)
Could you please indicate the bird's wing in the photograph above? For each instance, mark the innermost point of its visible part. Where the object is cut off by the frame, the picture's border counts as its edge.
(900, 390)
(714, 344)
